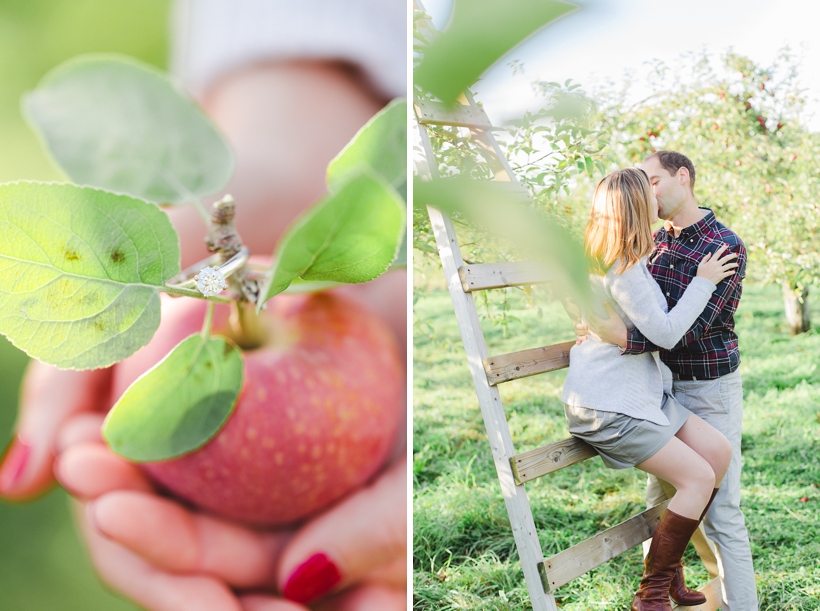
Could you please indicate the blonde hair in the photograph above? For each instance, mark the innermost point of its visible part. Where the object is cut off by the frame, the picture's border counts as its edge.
(619, 224)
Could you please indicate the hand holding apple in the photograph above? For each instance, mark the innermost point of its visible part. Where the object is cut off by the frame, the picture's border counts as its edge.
(28, 471)
(145, 552)
(364, 536)
(316, 416)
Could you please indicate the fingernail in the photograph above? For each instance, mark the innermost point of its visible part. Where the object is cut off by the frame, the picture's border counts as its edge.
(313, 578)
(14, 464)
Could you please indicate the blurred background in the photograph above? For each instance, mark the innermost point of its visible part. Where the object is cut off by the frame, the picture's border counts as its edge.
(42, 563)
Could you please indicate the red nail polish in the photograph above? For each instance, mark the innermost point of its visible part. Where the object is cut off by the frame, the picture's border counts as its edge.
(313, 578)
(14, 464)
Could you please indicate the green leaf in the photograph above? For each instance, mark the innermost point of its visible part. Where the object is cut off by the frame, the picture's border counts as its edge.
(381, 144)
(351, 236)
(400, 259)
(480, 33)
(113, 122)
(589, 165)
(80, 272)
(492, 207)
(180, 404)
(309, 286)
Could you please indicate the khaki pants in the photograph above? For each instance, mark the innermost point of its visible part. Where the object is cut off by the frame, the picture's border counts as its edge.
(722, 540)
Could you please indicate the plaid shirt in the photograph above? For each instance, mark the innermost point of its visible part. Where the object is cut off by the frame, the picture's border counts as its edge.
(709, 349)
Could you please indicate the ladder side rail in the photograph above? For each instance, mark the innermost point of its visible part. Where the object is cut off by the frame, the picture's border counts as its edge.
(486, 138)
(495, 422)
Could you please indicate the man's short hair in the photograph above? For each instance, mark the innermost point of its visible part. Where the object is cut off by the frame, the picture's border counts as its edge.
(672, 161)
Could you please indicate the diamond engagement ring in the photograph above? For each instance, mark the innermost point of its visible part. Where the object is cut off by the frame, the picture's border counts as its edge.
(208, 278)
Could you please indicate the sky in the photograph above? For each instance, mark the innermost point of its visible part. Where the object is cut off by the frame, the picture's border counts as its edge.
(605, 38)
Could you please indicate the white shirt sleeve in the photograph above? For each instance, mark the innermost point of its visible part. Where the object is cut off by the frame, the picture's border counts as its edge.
(213, 37)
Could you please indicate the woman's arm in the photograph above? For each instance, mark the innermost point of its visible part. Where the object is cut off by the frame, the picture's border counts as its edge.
(636, 293)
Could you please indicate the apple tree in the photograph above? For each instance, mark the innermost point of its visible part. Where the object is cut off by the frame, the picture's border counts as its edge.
(757, 164)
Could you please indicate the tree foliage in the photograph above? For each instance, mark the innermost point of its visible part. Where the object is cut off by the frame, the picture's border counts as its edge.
(547, 149)
(757, 164)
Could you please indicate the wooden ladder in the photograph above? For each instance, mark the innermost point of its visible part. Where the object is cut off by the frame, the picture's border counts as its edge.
(543, 575)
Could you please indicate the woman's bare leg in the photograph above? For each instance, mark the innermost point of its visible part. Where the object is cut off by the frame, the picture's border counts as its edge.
(710, 443)
(694, 462)
(689, 472)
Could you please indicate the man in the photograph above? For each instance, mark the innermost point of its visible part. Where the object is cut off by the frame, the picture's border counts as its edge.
(704, 363)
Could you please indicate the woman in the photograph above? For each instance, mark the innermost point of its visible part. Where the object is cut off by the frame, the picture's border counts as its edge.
(622, 404)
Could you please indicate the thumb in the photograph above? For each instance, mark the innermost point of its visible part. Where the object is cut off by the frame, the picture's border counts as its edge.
(49, 397)
(366, 531)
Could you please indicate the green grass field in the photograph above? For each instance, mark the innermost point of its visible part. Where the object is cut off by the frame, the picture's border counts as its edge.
(464, 553)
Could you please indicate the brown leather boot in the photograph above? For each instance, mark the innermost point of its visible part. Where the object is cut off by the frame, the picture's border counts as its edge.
(670, 539)
(678, 590)
(683, 594)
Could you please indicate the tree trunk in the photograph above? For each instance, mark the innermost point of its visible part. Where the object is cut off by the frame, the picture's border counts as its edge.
(797, 308)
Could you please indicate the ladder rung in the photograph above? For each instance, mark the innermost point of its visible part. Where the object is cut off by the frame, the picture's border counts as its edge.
(547, 459)
(573, 562)
(515, 365)
(713, 598)
(484, 276)
(436, 113)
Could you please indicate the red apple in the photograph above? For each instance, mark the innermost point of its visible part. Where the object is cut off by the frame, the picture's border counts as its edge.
(317, 414)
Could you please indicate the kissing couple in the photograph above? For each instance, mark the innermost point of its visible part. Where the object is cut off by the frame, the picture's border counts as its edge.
(653, 381)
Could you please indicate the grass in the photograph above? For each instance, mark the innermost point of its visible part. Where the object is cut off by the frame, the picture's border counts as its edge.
(464, 553)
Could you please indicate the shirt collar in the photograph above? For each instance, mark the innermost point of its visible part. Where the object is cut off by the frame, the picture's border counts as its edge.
(702, 227)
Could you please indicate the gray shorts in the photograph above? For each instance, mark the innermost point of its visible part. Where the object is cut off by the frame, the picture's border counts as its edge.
(623, 441)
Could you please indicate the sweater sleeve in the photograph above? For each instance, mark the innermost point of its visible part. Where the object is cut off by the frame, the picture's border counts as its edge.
(211, 38)
(634, 293)
(722, 303)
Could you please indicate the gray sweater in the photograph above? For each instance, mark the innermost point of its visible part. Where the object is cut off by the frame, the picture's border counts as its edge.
(600, 377)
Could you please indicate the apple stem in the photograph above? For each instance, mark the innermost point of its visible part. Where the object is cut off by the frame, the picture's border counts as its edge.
(222, 235)
(224, 239)
(248, 329)
(209, 317)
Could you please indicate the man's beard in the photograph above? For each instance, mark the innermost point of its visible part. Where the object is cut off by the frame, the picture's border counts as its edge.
(664, 211)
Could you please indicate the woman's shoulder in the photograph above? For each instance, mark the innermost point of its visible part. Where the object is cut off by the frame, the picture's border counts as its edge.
(636, 270)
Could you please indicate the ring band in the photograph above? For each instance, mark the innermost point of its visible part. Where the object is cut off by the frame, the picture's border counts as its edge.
(208, 279)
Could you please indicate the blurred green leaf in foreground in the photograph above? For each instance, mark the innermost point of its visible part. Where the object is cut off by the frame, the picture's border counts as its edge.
(479, 34)
(493, 207)
(114, 122)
